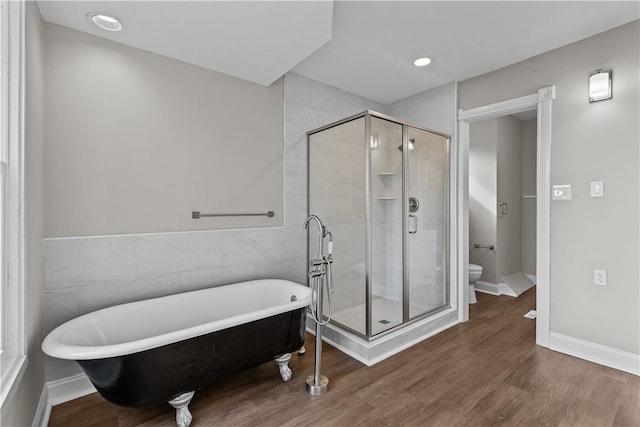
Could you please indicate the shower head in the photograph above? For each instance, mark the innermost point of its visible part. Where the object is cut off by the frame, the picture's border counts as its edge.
(411, 142)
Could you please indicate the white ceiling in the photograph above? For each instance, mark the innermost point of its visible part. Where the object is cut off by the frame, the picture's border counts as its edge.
(257, 41)
(366, 48)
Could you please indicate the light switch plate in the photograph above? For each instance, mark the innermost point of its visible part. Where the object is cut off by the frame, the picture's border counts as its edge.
(561, 192)
(597, 189)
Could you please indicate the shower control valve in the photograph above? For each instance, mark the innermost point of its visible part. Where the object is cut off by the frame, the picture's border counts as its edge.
(316, 267)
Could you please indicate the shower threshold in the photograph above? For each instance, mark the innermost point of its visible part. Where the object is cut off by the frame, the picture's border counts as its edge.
(379, 348)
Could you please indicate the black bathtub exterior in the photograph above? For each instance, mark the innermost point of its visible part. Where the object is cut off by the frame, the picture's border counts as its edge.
(158, 375)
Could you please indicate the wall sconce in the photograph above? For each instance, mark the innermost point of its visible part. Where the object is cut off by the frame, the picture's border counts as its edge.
(600, 85)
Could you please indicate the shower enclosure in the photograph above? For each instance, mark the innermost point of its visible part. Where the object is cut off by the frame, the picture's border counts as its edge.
(382, 187)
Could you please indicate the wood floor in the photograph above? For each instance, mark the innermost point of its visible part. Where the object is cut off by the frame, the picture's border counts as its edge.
(485, 372)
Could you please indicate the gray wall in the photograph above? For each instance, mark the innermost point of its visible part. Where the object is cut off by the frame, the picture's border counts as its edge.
(528, 162)
(136, 141)
(591, 142)
(483, 187)
(502, 167)
(508, 183)
(22, 408)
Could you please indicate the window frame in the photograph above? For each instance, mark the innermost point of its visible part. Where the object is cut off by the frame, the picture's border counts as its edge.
(13, 359)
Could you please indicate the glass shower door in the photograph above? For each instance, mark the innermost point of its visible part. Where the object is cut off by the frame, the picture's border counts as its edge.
(385, 174)
(337, 196)
(382, 188)
(428, 189)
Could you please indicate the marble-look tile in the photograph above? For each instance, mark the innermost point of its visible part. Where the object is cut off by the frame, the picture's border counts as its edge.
(96, 297)
(84, 261)
(60, 306)
(211, 277)
(156, 254)
(434, 109)
(176, 252)
(57, 369)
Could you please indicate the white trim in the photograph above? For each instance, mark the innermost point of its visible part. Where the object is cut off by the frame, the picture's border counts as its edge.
(543, 215)
(499, 109)
(13, 358)
(495, 289)
(13, 368)
(392, 352)
(372, 352)
(43, 411)
(597, 353)
(60, 391)
(69, 388)
(461, 184)
(487, 288)
(541, 101)
(160, 233)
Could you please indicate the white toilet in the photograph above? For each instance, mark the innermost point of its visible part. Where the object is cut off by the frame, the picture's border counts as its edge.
(475, 272)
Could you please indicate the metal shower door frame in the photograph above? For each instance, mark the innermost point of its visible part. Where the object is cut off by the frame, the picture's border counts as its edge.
(406, 318)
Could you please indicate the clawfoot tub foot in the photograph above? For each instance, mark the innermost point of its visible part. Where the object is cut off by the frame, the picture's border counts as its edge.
(181, 403)
(283, 364)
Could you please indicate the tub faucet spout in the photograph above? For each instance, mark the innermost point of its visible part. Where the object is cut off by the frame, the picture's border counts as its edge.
(321, 231)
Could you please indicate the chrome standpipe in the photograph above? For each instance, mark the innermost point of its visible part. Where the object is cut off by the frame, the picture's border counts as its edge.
(320, 276)
(317, 383)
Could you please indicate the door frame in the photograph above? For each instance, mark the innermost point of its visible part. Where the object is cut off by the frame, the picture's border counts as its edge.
(542, 101)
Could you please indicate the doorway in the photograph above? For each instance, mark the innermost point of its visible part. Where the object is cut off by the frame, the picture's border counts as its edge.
(542, 103)
(502, 204)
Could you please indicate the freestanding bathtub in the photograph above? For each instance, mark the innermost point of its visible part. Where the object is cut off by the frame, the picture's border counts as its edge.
(164, 349)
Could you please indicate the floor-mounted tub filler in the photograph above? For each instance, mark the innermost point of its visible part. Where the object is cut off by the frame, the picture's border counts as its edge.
(164, 349)
(320, 279)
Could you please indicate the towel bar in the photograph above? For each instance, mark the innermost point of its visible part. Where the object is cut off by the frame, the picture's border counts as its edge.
(198, 215)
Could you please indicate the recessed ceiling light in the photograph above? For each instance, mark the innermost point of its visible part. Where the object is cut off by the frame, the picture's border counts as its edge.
(421, 62)
(105, 22)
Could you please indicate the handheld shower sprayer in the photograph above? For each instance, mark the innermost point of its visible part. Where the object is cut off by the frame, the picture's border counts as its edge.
(329, 259)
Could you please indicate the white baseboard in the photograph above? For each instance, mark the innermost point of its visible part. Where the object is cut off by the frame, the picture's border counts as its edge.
(41, 418)
(495, 289)
(597, 353)
(69, 388)
(487, 288)
(60, 391)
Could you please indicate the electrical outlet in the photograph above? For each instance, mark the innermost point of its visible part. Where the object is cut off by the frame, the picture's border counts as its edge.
(561, 192)
(600, 277)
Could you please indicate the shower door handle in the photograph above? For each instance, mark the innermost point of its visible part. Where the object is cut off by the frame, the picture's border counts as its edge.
(413, 224)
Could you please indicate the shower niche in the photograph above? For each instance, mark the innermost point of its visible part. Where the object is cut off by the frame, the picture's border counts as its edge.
(382, 187)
